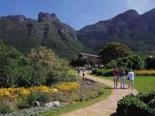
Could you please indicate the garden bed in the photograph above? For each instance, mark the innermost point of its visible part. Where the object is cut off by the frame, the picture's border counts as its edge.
(23, 101)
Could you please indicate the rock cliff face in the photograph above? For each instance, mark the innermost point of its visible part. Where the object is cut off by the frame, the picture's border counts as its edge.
(135, 30)
(48, 30)
(43, 17)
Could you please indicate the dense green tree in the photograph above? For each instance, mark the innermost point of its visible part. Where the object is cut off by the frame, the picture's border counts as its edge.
(114, 50)
(150, 63)
(10, 61)
(16, 70)
(33, 74)
(134, 62)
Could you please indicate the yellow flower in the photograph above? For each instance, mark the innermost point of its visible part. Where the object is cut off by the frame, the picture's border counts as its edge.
(24, 92)
(55, 90)
(13, 93)
(67, 87)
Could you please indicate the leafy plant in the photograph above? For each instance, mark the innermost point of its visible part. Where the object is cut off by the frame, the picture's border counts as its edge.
(135, 62)
(42, 97)
(103, 72)
(152, 103)
(132, 106)
(22, 103)
(4, 109)
(57, 69)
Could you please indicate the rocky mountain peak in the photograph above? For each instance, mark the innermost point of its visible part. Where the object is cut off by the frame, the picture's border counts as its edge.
(128, 14)
(42, 17)
(16, 17)
(129, 27)
(153, 10)
(131, 12)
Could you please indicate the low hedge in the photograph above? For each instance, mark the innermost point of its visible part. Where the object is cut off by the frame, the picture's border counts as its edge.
(132, 106)
(145, 72)
(140, 105)
(146, 97)
(103, 72)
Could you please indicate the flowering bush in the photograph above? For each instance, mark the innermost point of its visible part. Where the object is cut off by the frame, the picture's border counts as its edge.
(12, 93)
(67, 87)
(15, 92)
(145, 72)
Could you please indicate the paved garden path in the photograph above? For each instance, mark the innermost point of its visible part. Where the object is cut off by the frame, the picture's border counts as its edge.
(105, 107)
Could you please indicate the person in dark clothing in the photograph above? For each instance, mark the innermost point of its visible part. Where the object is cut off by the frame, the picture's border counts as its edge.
(122, 78)
(78, 71)
(115, 76)
(83, 72)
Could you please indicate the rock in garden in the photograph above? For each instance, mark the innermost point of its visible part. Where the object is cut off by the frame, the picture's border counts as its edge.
(38, 103)
(53, 104)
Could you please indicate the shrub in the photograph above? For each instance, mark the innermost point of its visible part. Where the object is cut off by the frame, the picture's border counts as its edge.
(34, 97)
(150, 63)
(132, 106)
(146, 97)
(152, 103)
(10, 64)
(134, 62)
(4, 109)
(71, 76)
(57, 69)
(103, 72)
(33, 74)
(22, 103)
(31, 99)
(145, 72)
(42, 97)
(67, 87)
(16, 70)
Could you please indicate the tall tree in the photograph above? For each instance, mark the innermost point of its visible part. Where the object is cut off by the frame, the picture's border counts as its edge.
(114, 50)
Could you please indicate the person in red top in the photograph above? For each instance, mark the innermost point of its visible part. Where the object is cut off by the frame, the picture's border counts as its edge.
(115, 76)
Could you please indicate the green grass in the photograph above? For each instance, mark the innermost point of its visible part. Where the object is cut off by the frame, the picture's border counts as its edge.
(142, 83)
(145, 84)
(78, 105)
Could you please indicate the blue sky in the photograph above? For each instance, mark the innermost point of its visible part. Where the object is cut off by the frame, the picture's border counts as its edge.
(76, 13)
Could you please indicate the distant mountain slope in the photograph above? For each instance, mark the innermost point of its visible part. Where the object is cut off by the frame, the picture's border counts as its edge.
(48, 30)
(131, 28)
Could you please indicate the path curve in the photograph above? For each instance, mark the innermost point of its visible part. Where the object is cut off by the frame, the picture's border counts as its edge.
(105, 107)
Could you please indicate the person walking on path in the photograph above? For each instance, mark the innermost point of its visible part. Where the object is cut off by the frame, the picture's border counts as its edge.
(122, 78)
(83, 72)
(115, 77)
(78, 71)
(131, 77)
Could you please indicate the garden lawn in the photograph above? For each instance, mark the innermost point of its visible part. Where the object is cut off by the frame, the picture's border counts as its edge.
(78, 105)
(145, 83)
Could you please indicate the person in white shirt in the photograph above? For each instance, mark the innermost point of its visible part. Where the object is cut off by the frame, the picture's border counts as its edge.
(131, 77)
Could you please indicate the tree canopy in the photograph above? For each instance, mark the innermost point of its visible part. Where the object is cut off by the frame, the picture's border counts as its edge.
(114, 50)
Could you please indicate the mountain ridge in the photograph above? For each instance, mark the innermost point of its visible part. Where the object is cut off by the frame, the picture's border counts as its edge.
(25, 33)
(131, 28)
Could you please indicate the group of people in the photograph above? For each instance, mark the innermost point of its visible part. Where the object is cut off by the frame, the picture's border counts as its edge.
(119, 75)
